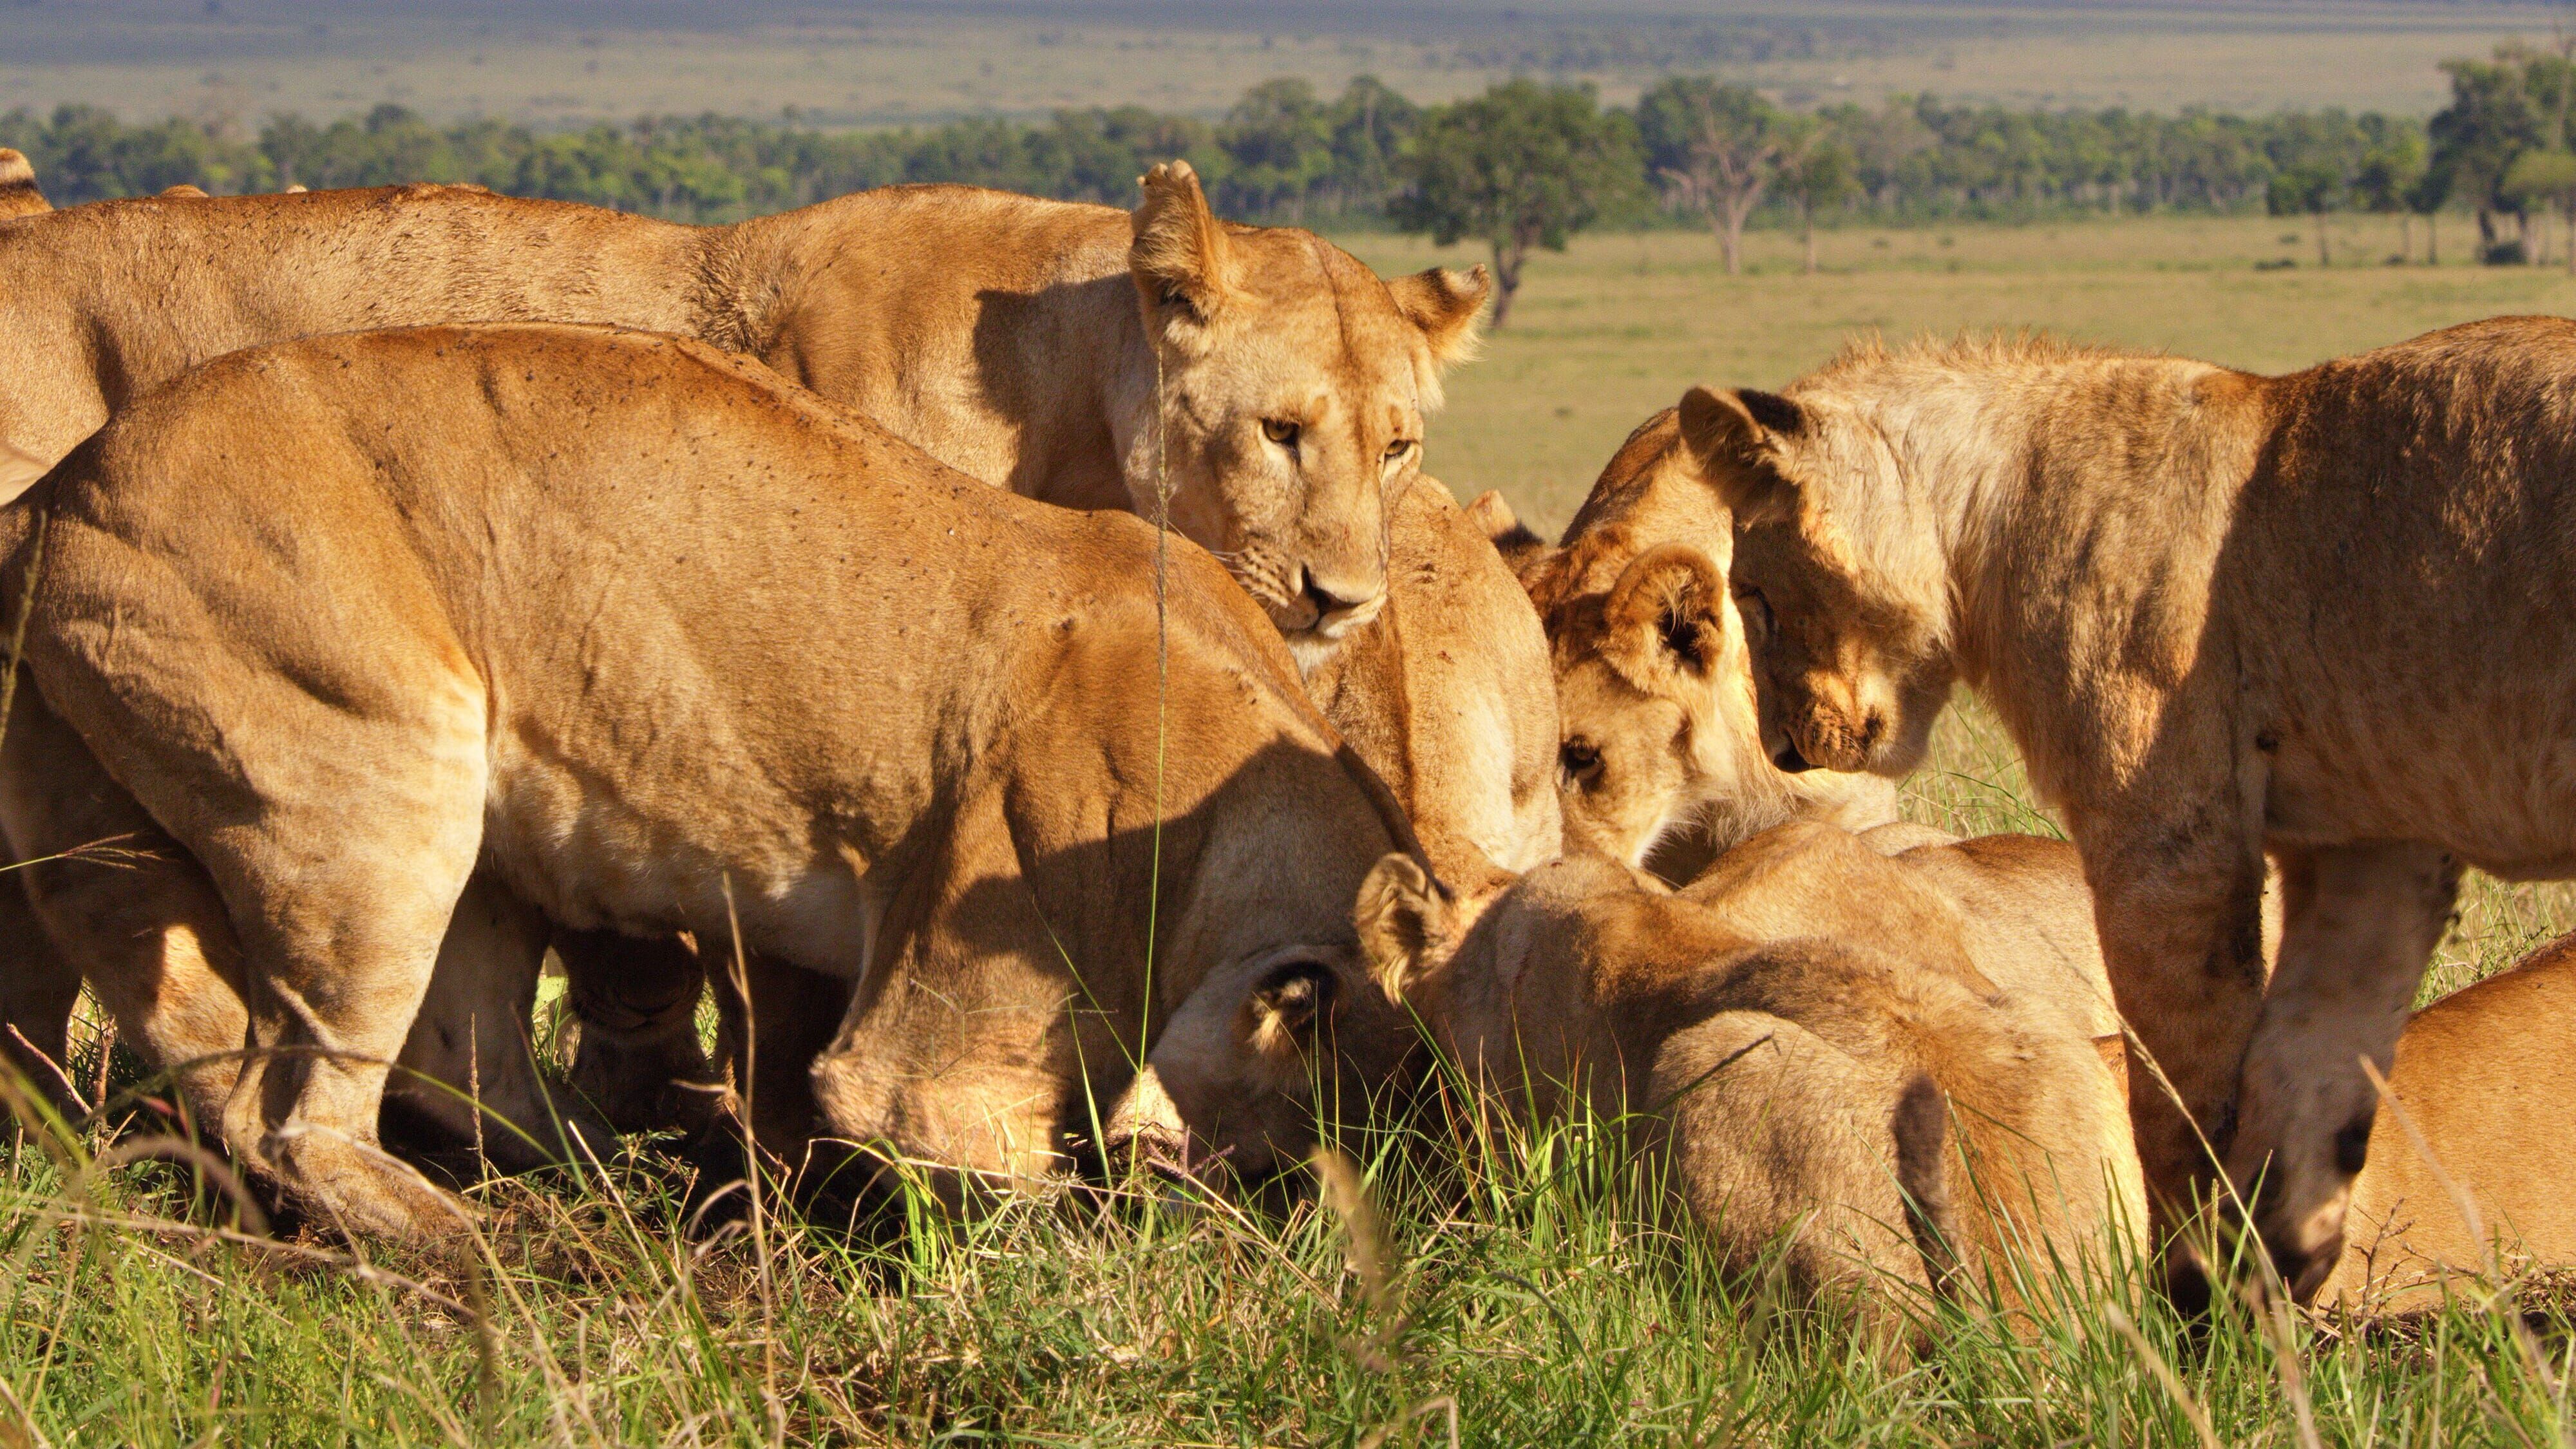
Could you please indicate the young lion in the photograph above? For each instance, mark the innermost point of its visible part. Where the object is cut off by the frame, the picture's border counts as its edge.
(1661, 746)
(2314, 614)
(1789, 1031)
(667, 645)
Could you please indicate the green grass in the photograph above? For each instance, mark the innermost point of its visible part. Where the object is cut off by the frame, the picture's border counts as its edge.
(1526, 1292)
(1504, 1287)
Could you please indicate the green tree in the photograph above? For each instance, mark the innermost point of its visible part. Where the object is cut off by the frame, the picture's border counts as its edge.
(1371, 124)
(2311, 188)
(2491, 119)
(2390, 175)
(2547, 178)
(1520, 167)
(1820, 173)
(1280, 138)
(1716, 149)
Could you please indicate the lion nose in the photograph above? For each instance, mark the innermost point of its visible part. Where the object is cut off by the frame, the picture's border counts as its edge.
(1330, 607)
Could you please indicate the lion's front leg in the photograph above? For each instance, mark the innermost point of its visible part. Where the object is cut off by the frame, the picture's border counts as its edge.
(2179, 907)
(2361, 922)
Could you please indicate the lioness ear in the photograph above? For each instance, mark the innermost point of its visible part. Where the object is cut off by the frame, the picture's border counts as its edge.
(1180, 257)
(1512, 538)
(18, 193)
(19, 470)
(1663, 616)
(1403, 919)
(1736, 437)
(1293, 996)
(1446, 305)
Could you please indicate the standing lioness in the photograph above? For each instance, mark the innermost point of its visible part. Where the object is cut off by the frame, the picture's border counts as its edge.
(2320, 614)
(665, 644)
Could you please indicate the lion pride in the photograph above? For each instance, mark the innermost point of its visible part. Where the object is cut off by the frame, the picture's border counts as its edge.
(1078, 354)
(663, 644)
(2320, 615)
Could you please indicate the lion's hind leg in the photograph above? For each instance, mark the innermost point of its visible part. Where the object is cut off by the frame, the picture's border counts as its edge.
(2361, 924)
(337, 807)
(469, 1070)
(121, 906)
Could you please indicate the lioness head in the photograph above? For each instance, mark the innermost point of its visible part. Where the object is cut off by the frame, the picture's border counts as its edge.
(1844, 593)
(1270, 1056)
(1260, 1059)
(1656, 703)
(1294, 382)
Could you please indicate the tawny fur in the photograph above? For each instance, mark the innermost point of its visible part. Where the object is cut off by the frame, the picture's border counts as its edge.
(1663, 754)
(2317, 614)
(572, 634)
(2485, 1084)
(1035, 353)
(1447, 695)
(1856, 974)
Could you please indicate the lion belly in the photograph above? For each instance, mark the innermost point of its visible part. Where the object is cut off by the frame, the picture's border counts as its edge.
(594, 857)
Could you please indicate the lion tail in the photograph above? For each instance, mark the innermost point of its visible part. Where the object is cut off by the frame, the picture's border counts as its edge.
(1920, 1124)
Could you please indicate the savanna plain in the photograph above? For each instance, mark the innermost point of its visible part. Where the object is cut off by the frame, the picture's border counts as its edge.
(1450, 1280)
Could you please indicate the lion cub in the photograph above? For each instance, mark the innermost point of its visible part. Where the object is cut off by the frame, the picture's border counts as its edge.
(2487, 1076)
(1662, 749)
(1822, 1044)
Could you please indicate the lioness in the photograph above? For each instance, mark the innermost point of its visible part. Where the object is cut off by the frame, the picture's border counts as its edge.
(1447, 695)
(1789, 1030)
(2016, 903)
(575, 633)
(1661, 746)
(1269, 382)
(2221, 613)
(18, 193)
(2485, 1084)
(1073, 353)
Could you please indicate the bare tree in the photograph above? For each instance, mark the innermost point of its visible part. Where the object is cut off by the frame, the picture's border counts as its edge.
(1716, 149)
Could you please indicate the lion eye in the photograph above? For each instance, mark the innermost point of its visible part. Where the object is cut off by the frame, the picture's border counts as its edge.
(1280, 431)
(1397, 451)
(1755, 608)
(1579, 759)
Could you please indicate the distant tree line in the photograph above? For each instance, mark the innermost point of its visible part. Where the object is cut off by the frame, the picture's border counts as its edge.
(1283, 153)
(1520, 167)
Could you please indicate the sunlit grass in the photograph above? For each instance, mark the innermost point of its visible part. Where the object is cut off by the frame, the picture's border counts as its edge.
(1512, 1284)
